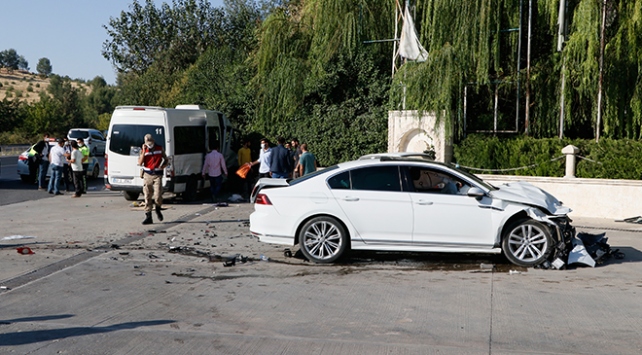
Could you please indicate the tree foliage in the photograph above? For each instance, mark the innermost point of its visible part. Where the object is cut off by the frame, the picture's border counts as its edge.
(44, 66)
(171, 36)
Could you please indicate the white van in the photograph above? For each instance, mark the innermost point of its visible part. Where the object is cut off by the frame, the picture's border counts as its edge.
(185, 133)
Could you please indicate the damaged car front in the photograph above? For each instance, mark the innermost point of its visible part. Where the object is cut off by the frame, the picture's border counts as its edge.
(542, 234)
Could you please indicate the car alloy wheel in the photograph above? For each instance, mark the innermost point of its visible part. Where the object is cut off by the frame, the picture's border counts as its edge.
(527, 243)
(323, 239)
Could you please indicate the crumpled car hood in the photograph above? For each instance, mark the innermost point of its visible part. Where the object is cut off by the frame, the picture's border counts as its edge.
(528, 194)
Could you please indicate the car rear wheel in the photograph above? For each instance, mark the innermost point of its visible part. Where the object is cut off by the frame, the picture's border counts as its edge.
(323, 239)
(527, 243)
(95, 172)
(190, 192)
(131, 196)
(27, 179)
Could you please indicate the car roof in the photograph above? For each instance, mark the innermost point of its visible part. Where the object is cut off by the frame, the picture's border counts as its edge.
(392, 158)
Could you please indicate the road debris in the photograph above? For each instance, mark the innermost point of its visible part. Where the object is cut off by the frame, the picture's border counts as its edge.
(24, 250)
(592, 249)
(16, 237)
(636, 219)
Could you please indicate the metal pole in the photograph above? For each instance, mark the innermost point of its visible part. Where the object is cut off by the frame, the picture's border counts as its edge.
(394, 46)
(519, 57)
(600, 82)
(528, 68)
(561, 135)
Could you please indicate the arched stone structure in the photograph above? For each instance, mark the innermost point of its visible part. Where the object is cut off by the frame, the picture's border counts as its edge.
(408, 131)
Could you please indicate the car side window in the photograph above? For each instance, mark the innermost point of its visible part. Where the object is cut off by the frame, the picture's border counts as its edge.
(428, 180)
(340, 181)
(376, 178)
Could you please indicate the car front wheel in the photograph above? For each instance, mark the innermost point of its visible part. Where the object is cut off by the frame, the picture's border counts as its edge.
(527, 243)
(131, 195)
(323, 239)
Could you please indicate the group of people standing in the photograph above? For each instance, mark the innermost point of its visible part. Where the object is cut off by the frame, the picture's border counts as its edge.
(69, 161)
(285, 160)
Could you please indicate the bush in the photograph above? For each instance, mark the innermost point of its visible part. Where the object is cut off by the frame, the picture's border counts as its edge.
(18, 93)
(37, 85)
(29, 88)
(608, 159)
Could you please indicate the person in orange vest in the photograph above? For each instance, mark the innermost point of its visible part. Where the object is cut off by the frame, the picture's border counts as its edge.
(153, 160)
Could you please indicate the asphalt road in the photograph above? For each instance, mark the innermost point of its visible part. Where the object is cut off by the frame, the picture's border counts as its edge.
(15, 191)
(98, 282)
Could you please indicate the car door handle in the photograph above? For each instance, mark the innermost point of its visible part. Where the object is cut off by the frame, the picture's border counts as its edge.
(350, 199)
(424, 202)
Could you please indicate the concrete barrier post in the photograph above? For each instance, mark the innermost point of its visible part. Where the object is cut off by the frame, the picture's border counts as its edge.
(570, 151)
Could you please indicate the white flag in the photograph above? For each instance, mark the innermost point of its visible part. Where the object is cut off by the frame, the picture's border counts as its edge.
(409, 46)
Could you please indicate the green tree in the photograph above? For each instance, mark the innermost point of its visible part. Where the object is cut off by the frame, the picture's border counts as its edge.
(44, 67)
(22, 63)
(174, 36)
(10, 59)
(11, 114)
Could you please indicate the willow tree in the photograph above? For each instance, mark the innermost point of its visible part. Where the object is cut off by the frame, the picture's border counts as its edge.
(300, 46)
(466, 46)
(469, 47)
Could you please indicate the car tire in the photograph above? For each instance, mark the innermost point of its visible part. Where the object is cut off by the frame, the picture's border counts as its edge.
(527, 243)
(27, 179)
(323, 239)
(95, 172)
(131, 195)
(190, 192)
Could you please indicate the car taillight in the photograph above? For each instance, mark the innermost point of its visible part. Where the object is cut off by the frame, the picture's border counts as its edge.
(23, 157)
(262, 199)
(105, 170)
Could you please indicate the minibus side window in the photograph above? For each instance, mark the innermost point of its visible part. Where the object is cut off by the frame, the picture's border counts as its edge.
(189, 140)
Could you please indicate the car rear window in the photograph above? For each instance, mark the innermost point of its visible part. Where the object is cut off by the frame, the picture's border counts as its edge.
(126, 139)
(313, 174)
(75, 134)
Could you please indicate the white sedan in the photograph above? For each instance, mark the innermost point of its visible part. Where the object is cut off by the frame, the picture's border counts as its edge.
(395, 202)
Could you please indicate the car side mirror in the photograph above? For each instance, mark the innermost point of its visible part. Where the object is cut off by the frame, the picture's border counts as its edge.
(476, 192)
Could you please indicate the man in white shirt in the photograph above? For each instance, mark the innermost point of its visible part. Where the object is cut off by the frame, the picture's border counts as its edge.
(57, 161)
(265, 158)
(75, 161)
(215, 168)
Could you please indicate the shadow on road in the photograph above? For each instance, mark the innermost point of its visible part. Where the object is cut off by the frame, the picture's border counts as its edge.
(36, 336)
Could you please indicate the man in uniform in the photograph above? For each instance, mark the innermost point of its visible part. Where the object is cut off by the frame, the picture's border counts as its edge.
(85, 161)
(153, 160)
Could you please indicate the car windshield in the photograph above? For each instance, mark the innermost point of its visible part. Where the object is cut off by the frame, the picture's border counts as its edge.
(311, 175)
(476, 179)
(75, 134)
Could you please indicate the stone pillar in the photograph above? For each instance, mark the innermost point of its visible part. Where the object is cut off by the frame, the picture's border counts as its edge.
(570, 151)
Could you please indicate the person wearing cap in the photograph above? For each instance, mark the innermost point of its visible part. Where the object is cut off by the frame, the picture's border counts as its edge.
(153, 160)
(57, 162)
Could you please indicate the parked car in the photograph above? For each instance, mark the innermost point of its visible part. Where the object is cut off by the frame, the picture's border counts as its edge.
(395, 202)
(93, 169)
(94, 139)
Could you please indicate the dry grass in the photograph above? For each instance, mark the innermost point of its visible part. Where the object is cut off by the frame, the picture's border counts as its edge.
(26, 86)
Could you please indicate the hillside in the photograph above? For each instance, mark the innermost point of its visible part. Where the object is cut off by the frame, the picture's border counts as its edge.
(26, 86)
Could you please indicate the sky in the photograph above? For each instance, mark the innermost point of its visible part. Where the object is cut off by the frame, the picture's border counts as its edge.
(69, 33)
